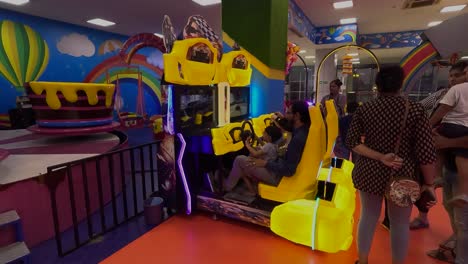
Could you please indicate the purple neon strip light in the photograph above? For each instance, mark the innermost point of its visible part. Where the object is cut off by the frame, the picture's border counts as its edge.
(182, 173)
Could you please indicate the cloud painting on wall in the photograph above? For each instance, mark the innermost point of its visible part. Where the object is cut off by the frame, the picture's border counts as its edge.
(109, 46)
(155, 59)
(76, 45)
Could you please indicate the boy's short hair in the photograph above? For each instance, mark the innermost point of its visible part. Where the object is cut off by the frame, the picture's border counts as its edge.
(274, 132)
(459, 66)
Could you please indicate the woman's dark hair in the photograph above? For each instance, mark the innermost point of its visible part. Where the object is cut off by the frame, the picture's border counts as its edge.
(274, 132)
(337, 82)
(302, 108)
(390, 79)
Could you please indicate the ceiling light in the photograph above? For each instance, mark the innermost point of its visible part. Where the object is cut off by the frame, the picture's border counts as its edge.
(355, 59)
(15, 2)
(159, 35)
(348, 20)
(353, 54)
(454, 8)
(356, 62)
(434, 23)
(302, 51)
(101, 22)
(207, 2)
(343, 4)
(310, 57)
(464, 58)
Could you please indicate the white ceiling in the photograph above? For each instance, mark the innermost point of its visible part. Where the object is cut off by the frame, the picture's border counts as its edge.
(378, 16)
(374, 16)
(139, 16)
(132, 17)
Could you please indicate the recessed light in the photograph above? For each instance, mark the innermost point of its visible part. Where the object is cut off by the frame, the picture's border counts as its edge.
(343, 4)
(454, 8)
(101, 22)
(310, 57)
(353, 54)
(434, 23)
(302, 51)
(15, 2)
(348, 20)
(159, 35)
(207, 2)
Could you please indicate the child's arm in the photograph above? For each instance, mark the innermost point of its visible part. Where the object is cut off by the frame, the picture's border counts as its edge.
(441, 111)
(253, 152)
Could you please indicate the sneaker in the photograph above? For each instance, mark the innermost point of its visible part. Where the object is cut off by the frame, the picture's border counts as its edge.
(442, 254)
(418, 223)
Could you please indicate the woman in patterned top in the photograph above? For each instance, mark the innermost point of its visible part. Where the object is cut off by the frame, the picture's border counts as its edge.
(379, 121)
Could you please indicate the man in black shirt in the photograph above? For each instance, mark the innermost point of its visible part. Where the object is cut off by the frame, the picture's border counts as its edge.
(270, 172)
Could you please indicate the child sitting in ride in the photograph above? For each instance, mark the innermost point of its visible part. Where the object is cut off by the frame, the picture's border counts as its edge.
(267, 151)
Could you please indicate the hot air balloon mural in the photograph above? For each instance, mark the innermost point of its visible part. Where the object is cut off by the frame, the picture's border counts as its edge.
(24, 55)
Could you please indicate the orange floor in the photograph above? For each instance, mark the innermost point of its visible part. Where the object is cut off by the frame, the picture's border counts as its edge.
(200, 239)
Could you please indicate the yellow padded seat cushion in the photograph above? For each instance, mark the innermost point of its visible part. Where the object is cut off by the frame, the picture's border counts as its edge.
(332, 128)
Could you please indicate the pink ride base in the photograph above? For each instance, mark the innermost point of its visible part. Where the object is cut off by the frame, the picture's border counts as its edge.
(74, 131)
(3, 154)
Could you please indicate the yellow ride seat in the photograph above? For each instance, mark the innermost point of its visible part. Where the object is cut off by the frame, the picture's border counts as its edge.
(314, 223)
(331, 122)
(301, 184)
(326, 223)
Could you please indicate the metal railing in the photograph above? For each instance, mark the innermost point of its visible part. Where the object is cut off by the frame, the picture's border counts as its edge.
(103, 192)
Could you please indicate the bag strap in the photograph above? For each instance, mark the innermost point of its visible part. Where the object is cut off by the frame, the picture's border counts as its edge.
(403, 126)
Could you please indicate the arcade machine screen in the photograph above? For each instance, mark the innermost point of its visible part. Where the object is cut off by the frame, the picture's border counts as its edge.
(193, 109)
(240, 102)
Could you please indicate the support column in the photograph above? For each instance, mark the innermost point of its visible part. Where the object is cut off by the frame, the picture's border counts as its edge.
(260, 27)
(327, 72)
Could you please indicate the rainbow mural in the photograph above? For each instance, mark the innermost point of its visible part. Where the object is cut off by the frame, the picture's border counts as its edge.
(111, 66)
(5, 120)
(414, 63)
(336, 34)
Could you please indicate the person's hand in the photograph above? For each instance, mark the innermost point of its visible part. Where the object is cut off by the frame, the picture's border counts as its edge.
(440, 142)
(248, 140)
(277, 114)
(391, 160)
(431, 190)
(257, 162)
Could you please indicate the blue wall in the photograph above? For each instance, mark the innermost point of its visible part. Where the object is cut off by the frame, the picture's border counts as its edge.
(63, 67)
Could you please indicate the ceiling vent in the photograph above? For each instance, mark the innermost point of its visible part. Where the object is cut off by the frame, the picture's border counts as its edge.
(408, 4)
